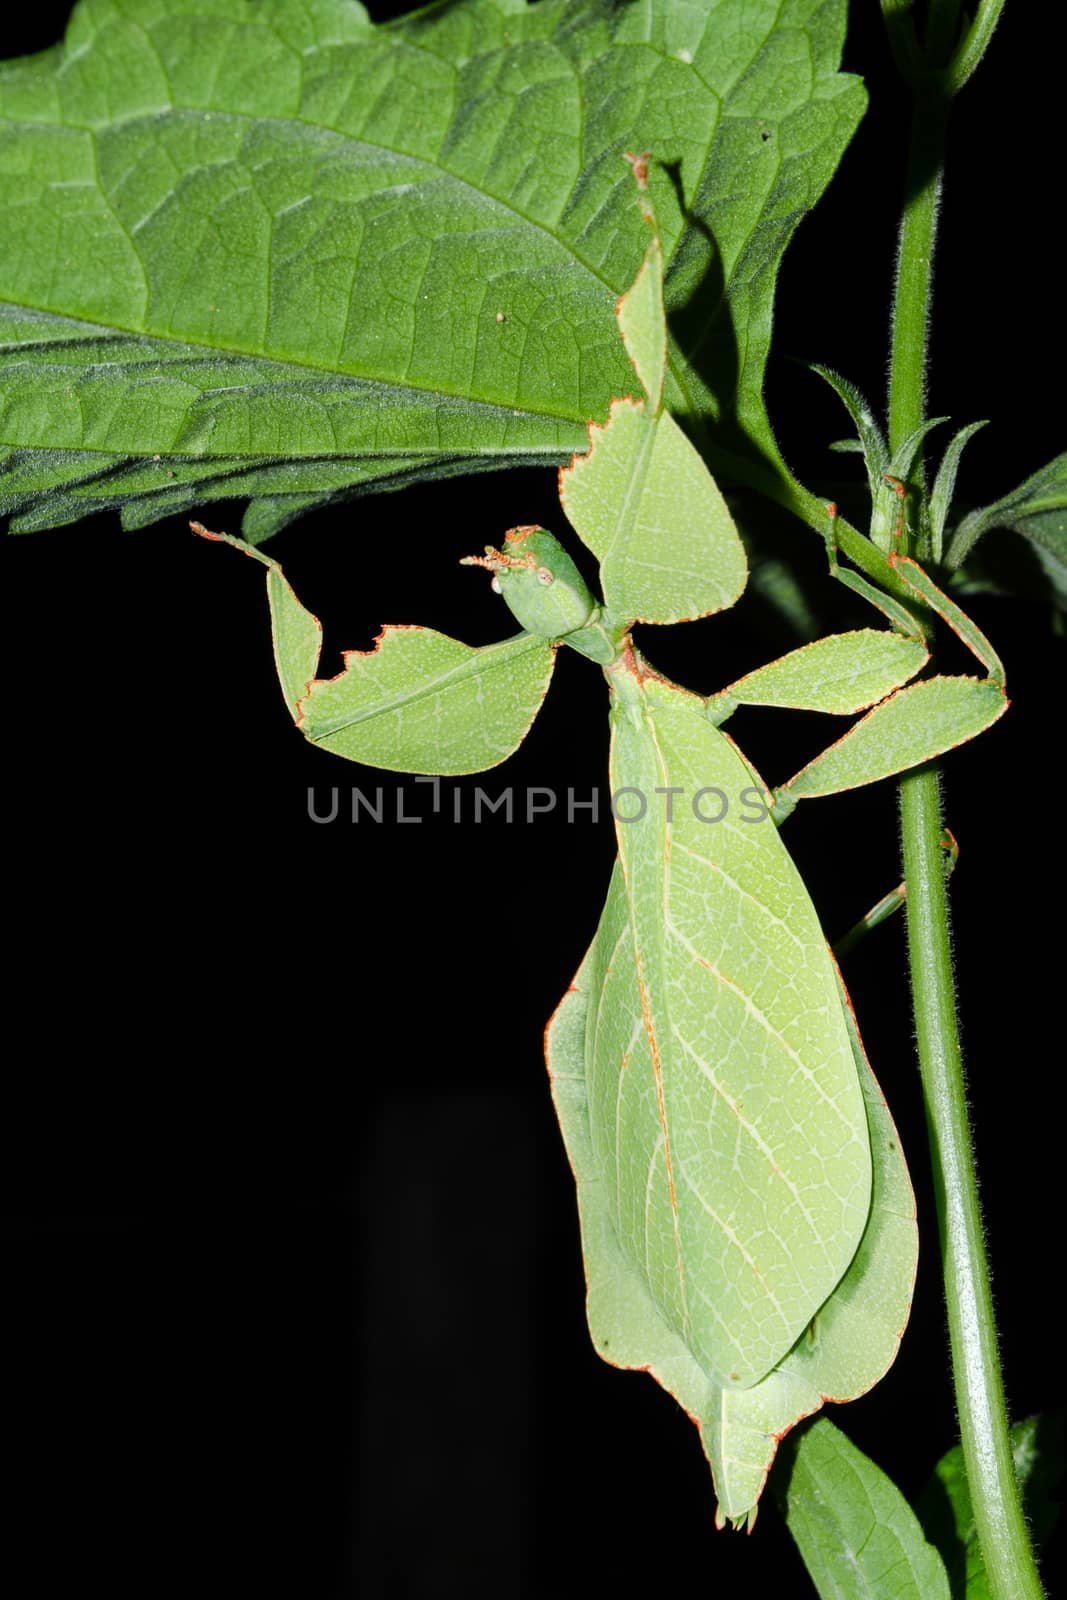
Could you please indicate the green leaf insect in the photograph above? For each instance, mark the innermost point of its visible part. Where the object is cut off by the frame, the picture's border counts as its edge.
(747, 1220)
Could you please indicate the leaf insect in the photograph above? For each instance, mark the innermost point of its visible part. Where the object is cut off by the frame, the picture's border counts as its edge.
(747, 1219)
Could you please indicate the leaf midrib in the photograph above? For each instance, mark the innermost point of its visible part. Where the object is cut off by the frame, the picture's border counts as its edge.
(234, 353)
(679, 365)
(676, 361)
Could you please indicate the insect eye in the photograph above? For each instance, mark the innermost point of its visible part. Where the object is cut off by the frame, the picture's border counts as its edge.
(544, 576)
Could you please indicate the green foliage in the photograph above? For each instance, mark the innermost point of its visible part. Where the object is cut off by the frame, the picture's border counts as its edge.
(1037, 510)
(859, 1537)
(275, 251)
(945, 484)
(870, 440)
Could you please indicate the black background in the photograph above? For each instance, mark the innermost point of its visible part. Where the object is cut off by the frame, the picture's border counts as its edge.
(293, 1290)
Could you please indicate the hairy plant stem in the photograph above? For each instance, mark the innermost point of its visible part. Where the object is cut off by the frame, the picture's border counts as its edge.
(911, 303)
(998, 1515)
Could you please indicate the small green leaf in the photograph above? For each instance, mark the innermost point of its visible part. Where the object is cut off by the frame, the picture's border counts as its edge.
(859, 1537)
(885, 510)
(870, 438)
(843, 673)
(945, 1504)
(422, 702)
(945, 484)
(903, 458)
(1037, 509)
(914, 725)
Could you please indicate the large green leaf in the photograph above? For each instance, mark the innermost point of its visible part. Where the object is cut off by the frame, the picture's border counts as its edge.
(271, 250)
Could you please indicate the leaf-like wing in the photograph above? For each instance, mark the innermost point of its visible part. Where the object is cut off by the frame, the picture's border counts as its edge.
(854, 1337)
(272, 250)
(746, 1185)
(597, 1044)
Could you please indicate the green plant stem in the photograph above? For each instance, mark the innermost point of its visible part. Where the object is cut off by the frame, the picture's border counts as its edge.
(999, 1521)
(998, 1515)
(918, 236)
(942, 27)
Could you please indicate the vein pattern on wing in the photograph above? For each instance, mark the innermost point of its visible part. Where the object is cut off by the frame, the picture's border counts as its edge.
(731, 1129)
